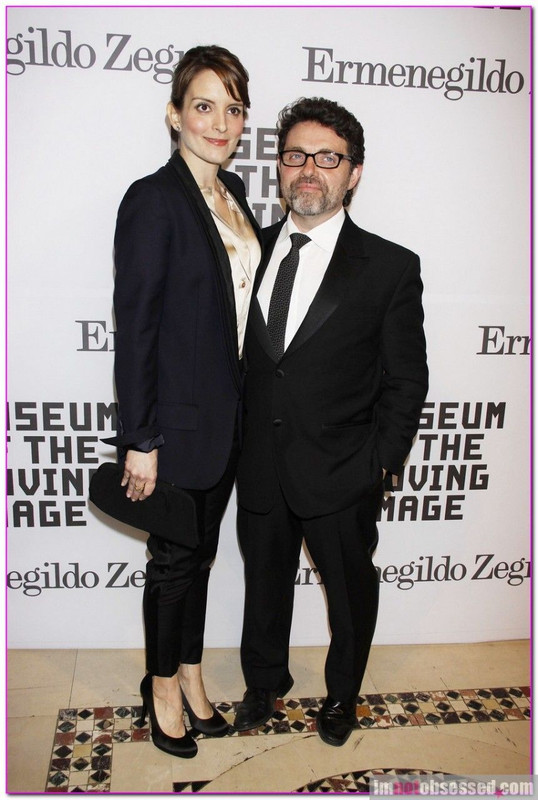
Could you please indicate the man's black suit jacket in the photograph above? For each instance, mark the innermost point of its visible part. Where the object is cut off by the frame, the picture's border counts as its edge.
(345, 399)
(177, 369)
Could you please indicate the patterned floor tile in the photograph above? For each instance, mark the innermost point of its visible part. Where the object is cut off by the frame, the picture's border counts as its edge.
(83, 748)
(356, 782)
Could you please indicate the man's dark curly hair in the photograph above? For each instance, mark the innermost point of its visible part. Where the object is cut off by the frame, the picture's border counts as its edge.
(330, 115)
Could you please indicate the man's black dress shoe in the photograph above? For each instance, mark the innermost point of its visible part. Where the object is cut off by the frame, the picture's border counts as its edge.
(336, 720)
(258, 705)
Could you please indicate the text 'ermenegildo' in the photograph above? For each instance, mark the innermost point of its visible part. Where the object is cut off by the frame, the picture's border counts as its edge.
(53, 575)
(39, 47)
(443, 569)
(476, 75)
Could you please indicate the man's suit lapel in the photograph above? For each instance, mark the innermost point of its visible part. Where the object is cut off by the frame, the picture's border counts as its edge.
(256, 320)
(270, 236)
(344, 269)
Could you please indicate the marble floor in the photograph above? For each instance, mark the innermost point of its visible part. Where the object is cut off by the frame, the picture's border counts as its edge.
(73, 722)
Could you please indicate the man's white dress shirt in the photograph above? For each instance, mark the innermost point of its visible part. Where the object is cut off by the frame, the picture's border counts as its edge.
(314, 259)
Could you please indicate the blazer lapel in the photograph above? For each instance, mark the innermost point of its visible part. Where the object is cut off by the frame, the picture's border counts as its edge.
(256, 319)
(223, 272)
(270, 235)
(259, 328)
(344, 268)
(198, 203)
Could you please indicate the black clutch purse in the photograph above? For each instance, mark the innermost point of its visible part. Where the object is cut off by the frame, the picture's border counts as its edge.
(168, 512)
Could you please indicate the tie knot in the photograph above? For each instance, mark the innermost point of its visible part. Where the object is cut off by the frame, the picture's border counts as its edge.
(299, 239)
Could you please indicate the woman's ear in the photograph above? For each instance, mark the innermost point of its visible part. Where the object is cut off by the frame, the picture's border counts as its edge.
(173, 116)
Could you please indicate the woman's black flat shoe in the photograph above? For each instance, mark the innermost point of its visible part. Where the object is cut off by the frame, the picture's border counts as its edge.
(216, 725)
(182, 746)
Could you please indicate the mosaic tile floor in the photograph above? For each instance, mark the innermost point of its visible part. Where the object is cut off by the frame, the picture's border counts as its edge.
(359, 781)
(354, 782)
(85, 738)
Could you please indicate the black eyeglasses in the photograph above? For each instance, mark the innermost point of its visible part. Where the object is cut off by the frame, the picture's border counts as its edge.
(324, 158)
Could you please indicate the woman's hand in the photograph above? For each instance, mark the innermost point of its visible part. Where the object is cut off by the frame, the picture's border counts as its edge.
(140, 474)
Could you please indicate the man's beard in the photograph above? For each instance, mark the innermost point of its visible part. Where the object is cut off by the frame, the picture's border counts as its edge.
(308, 204)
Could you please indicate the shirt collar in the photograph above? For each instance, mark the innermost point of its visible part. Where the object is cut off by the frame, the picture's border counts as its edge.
(324, 235)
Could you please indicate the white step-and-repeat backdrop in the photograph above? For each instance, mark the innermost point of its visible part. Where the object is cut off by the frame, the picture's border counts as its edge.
(443, 94)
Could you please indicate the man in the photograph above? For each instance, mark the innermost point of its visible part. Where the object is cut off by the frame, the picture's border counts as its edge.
(336, 378)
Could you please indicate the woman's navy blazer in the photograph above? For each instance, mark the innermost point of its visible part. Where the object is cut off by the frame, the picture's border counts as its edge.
(177, 369)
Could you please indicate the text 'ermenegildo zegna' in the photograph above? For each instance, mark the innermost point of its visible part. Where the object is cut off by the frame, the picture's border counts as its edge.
(118, 52)
(53, 575)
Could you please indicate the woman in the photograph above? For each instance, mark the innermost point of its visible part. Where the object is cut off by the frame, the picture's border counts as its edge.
(186, 251)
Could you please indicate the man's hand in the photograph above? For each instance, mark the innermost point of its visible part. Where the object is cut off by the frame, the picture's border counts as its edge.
(394, 478)
(140, 474)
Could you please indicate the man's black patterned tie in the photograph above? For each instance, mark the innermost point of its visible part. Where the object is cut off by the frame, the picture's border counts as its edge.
(280, 298)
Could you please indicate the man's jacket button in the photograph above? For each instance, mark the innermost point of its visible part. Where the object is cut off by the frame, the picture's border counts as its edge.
(277, 422)
(279, 373)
